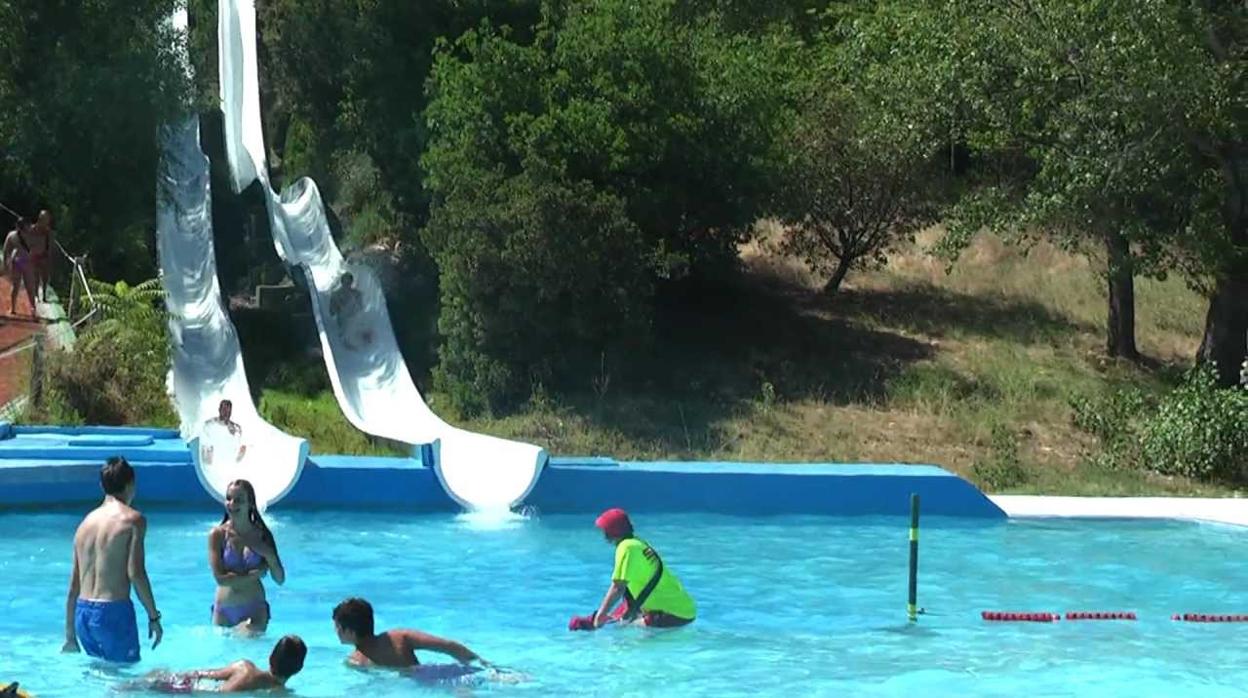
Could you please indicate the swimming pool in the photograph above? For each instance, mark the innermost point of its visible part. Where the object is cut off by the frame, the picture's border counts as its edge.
(787, 605)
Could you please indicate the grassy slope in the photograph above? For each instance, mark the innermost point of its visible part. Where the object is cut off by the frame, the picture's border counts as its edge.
(907, 364)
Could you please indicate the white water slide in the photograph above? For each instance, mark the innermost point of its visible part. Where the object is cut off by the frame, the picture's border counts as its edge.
(371, 381)
(207, 365)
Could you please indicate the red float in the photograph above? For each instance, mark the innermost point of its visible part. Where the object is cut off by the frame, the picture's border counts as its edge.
(1210, 618)
(1020, 617)
(1100, 615)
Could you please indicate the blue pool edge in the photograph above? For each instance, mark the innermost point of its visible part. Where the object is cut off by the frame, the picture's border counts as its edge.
(54, 466)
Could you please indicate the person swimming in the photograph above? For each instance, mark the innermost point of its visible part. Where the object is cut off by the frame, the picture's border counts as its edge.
(241, 550)
(353, 621)
(652, 594)
(285, 661)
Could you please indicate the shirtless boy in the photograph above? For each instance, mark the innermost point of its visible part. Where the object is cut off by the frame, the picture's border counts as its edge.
(108, 561)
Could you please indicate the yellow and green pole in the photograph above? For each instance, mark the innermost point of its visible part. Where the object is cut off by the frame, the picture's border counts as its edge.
(912, 608)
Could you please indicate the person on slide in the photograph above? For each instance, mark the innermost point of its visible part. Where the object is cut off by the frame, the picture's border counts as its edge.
(109, 559)
(240, 551)
(345, 305)
(353, 620)
(651, 593)
(285, 661)
(225, 410)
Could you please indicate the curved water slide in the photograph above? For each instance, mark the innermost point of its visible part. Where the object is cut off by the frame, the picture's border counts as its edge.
(207, 364)
(370, 378)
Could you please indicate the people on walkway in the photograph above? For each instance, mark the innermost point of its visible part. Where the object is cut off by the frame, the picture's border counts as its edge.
(19, 266)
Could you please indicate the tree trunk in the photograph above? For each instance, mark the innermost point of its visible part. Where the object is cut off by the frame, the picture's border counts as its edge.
(1225, 343)
(1120, 340)
(834, 283)
(1226, 324)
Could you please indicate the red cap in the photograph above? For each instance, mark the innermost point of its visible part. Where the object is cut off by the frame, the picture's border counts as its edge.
(615, 523)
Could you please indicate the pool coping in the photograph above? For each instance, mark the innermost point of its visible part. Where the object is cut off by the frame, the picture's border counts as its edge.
(1231, 511)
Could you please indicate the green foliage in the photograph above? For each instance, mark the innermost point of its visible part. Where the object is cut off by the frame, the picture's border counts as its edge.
(538, 278)
(857, 183)
(1195, 430)
(1113, 418)
(120, 302)
(624, 145)
(317, 417)
(1003, 468)
(116, 372)
(1199, 430)
(84, 85)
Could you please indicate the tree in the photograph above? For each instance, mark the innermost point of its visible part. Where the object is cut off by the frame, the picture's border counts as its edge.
(1077, 117)
(540, 277)
(856, 185)
(1221, 139)
(84, 85)
(624, 145)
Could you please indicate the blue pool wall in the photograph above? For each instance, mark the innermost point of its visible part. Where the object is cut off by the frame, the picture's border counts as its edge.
(43, 466)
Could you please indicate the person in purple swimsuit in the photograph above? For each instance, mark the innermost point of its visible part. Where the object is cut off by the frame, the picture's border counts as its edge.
(241, 550)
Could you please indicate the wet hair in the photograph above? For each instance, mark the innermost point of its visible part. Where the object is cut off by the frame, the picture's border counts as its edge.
(347, 278)
(356, 615)
(254, 516)
(287, 657)
(21, 223)
(116, 475)
(225, 403)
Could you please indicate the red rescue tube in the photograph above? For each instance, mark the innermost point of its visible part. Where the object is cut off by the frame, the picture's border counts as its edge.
(1020, 617)
(1210, 618)
(1100, 615)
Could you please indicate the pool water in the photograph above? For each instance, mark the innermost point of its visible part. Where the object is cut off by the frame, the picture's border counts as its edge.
(787, 605)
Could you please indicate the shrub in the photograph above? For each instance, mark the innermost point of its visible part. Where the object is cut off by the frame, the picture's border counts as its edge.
(1199, 430)
(115, 375)
(1003, 468)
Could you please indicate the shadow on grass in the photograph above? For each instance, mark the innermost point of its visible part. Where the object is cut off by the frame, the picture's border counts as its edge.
(727, 348)
(939, 312)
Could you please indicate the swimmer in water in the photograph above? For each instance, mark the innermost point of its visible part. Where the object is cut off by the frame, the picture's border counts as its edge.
(241, 550)
(651, 593)
(353, 619)
(242, 676)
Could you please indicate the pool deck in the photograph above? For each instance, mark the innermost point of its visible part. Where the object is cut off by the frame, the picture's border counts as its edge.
(1232, 511)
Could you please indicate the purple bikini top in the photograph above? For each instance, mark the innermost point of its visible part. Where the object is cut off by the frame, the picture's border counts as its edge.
(235, 562)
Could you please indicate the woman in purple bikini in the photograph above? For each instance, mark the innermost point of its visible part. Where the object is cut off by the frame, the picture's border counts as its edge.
(241, 550)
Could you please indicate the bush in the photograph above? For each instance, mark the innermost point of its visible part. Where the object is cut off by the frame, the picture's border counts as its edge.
(115, 375)
(1197, 430)
(539, 278)
(1003, 468)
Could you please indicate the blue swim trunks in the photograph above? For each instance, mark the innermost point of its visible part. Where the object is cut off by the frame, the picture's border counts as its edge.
(107, 630)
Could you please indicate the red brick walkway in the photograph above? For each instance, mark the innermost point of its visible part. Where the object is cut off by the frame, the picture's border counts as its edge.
(14, 369)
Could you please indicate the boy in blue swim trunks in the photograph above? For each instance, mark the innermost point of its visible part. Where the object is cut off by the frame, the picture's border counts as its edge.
(108, 560)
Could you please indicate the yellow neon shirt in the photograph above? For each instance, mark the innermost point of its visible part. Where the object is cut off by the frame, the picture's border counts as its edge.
(634, 569)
